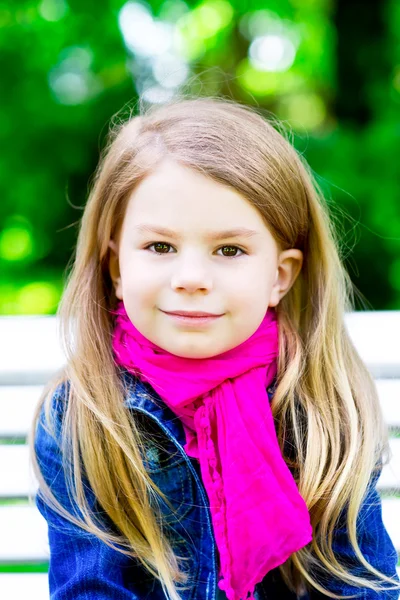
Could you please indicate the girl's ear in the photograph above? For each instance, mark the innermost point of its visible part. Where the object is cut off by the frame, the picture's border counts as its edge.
(289, 266)
(114, 269)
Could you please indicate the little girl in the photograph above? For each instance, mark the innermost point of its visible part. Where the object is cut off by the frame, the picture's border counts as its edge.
(214, 433)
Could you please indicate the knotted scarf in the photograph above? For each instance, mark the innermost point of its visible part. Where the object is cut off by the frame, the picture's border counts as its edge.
(258, 515)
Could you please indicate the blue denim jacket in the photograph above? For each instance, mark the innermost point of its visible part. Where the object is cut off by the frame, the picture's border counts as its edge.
(83, 567)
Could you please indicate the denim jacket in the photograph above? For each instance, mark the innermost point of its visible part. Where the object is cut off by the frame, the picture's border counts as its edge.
(82, 567)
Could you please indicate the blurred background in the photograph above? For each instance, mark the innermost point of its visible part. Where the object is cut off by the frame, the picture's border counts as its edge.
(329, 69)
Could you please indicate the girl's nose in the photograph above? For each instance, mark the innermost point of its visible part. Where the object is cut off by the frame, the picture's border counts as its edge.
(191, 271)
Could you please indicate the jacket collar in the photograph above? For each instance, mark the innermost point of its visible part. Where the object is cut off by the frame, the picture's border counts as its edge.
(141, 396)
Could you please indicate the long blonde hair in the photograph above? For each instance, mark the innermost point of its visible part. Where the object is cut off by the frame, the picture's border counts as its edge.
(326, 403)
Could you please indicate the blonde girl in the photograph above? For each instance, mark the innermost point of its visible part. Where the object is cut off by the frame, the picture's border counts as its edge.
(229, 454)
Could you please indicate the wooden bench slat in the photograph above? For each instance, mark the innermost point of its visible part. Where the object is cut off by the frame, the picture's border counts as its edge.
(23, 534)
(390, 515)
(375, 335)
(17, 404)
(37, 358)
(17, 478)
(24, 531)
(389, 397)
(24, 586)
(16, 475)
(390, 476)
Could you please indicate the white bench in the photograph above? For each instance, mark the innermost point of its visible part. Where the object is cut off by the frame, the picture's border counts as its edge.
(30, 353)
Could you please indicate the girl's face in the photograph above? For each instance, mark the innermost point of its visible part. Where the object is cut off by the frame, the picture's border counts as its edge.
(195, 267)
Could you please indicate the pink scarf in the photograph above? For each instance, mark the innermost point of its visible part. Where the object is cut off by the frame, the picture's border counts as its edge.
(258, 515)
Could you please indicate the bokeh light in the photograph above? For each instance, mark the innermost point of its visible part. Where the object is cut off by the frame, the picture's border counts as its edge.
(53, 10)
(272, 53)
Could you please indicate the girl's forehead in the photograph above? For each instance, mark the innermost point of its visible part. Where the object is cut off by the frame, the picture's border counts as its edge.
(175, 197)
(172, 177)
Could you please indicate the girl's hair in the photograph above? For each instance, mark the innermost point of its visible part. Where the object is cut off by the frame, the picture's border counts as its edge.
(325, 406)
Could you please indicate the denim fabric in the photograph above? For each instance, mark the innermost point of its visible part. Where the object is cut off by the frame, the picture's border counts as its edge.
(83, 567)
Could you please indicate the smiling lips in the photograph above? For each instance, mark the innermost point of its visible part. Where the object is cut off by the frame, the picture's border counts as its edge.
(189, 313)
(193, 318)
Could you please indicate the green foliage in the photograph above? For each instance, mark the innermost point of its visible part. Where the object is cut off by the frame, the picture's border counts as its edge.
(67, 67)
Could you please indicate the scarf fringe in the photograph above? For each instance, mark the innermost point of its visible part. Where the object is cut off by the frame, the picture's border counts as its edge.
(232, 596)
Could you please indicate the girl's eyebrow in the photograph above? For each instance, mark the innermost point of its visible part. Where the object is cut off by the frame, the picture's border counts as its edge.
(212, 235)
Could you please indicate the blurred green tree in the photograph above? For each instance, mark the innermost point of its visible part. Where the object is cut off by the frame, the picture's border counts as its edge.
(329, 70)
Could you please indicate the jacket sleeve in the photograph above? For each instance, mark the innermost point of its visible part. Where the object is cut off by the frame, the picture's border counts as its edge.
(375, 544)
(81, 566)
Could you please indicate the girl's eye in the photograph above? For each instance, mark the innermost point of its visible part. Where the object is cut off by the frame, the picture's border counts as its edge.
(169, 245)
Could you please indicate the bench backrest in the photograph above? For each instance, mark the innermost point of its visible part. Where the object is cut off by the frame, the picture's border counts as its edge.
(30, 353)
